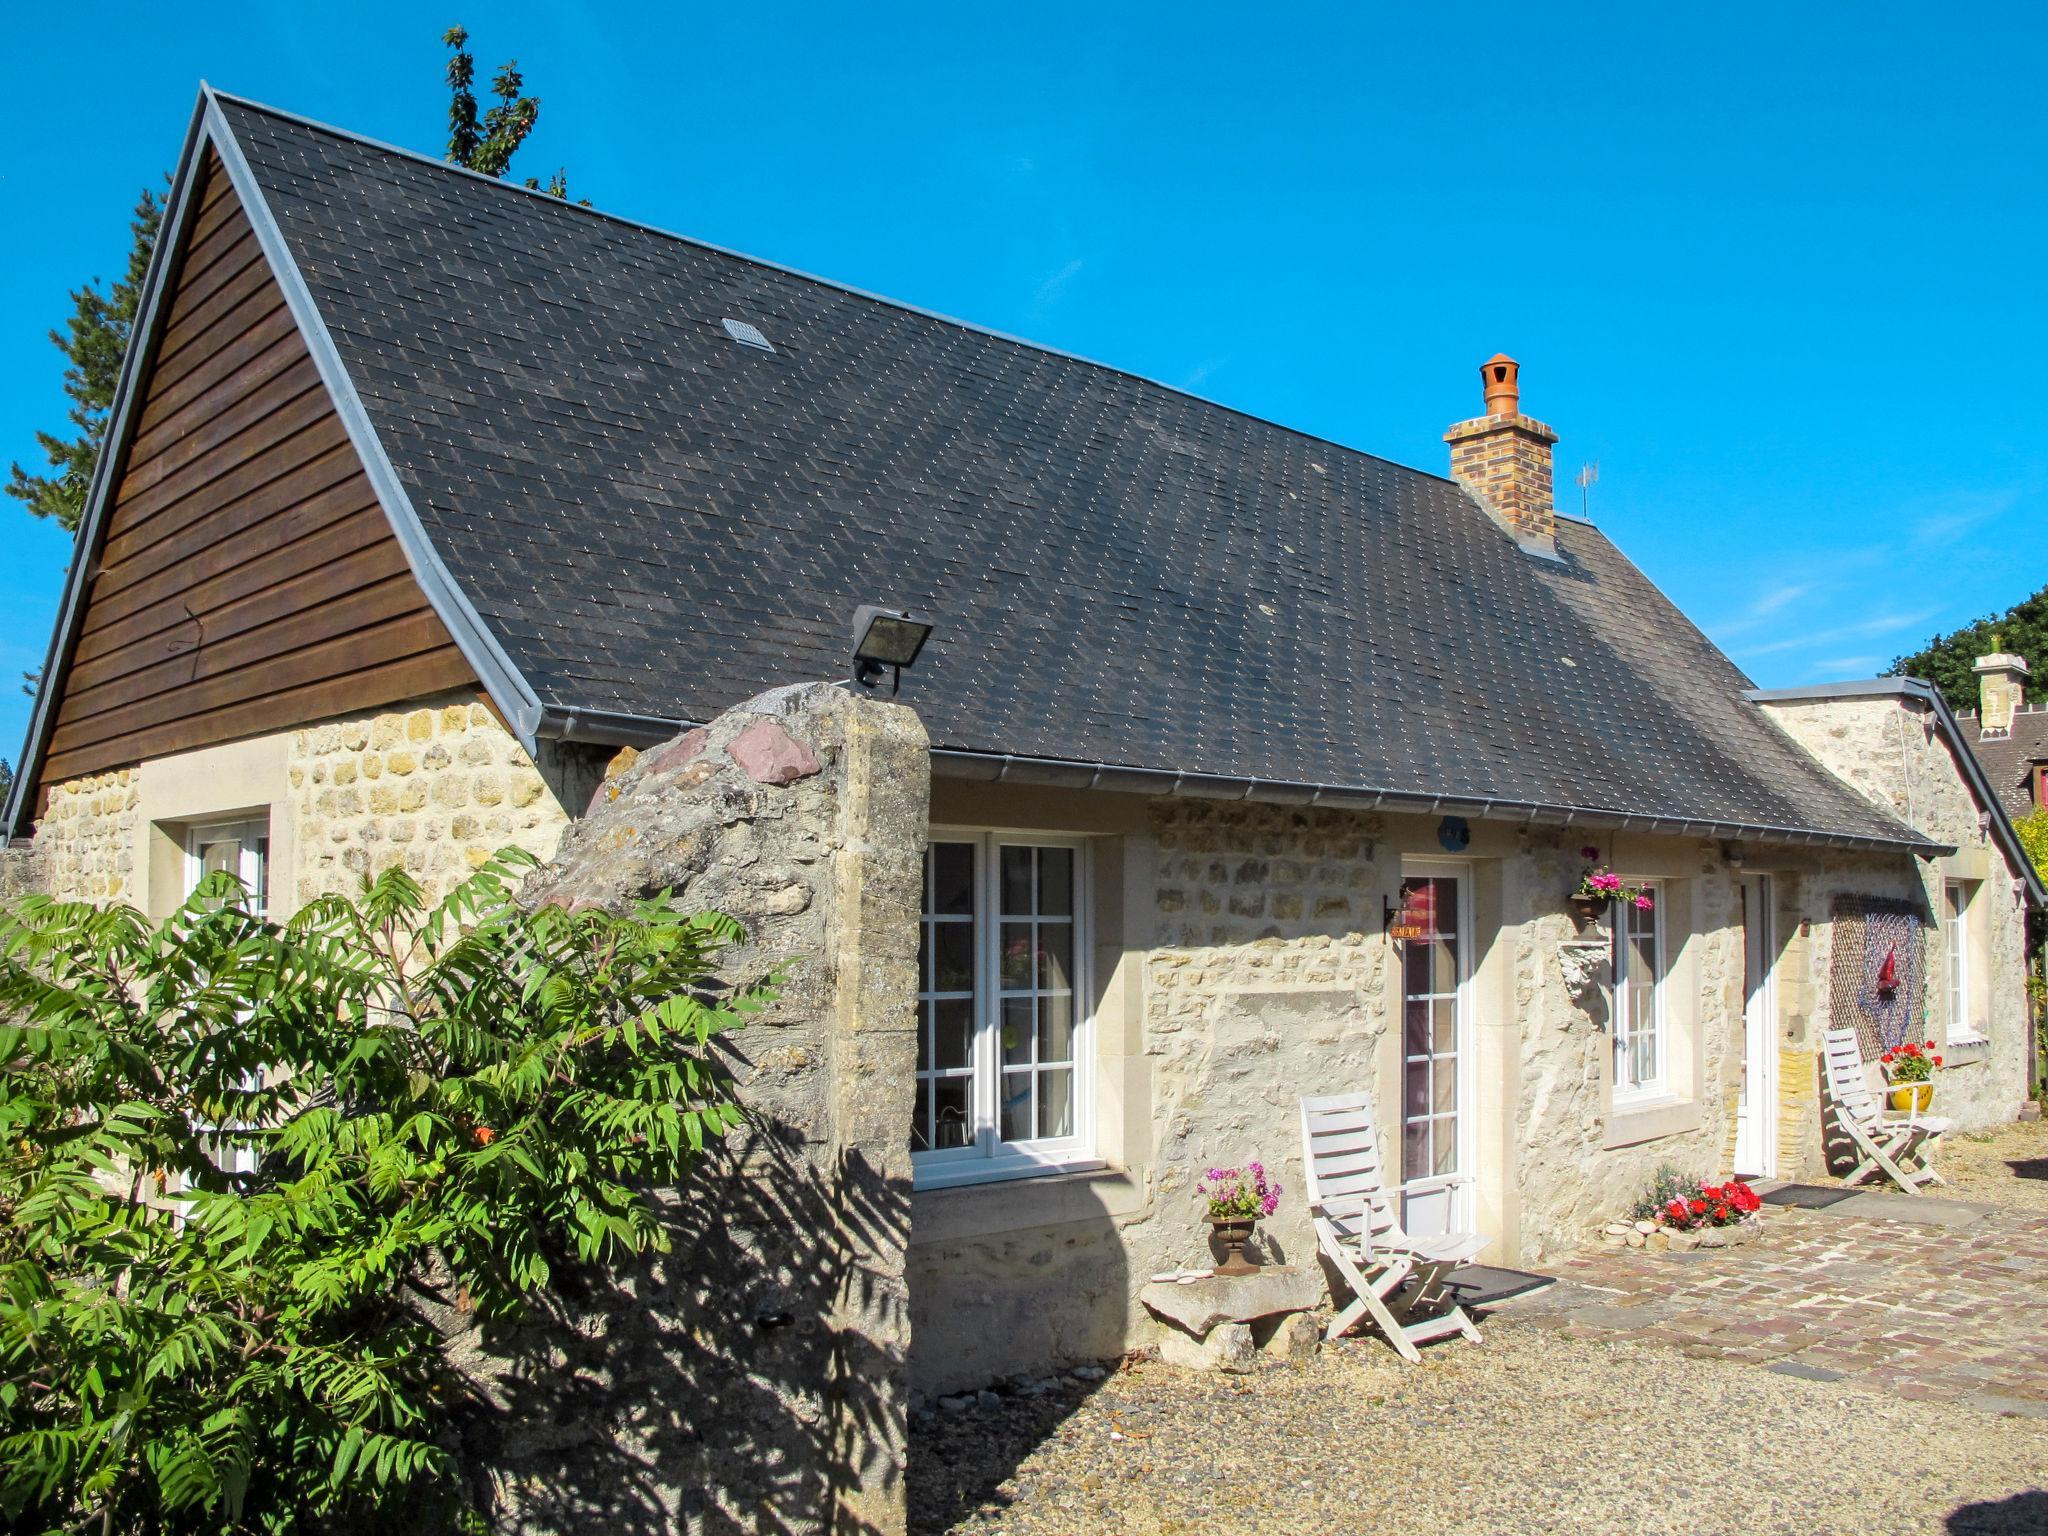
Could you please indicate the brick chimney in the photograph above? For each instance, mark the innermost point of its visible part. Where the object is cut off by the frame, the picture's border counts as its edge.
(1503, 457)
(2001, 690)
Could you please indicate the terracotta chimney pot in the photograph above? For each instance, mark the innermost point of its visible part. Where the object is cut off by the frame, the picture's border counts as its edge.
(1501, 377)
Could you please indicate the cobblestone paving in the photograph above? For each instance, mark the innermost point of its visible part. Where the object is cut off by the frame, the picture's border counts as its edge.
(1945, 1305)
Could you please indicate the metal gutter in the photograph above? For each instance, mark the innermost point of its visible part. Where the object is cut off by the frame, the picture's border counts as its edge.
(996, 767)
(85, 548)
(606, 727)
(1919, 689)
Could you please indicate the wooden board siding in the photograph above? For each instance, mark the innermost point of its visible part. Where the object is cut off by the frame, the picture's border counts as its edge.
(248, 581)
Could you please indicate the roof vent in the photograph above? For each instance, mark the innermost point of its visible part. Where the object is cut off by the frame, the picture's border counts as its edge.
(746, 335)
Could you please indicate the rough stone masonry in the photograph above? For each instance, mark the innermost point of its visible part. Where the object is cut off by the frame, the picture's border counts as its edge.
(753, 1379)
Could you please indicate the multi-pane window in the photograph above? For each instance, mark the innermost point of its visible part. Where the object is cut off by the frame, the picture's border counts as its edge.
(1000, 1056)
(238, 848)
(241, 849)
(1639, 1042)
(1955, 914)
(1430, 966)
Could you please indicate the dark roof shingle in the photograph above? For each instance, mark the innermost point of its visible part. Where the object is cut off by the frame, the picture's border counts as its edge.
(657, 521)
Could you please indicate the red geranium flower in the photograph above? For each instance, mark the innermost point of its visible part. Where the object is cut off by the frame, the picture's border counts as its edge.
(484, 1135)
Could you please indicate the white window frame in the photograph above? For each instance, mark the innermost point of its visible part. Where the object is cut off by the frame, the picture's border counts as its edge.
(989, 1159)
(254, 871)
(1655, 1088)
(254, 865)
(1457, 1186)
(1957, 897)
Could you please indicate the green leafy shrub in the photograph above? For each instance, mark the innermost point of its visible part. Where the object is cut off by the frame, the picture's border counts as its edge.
(433, 1111)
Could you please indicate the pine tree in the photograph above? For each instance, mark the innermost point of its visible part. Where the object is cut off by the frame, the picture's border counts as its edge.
(93, 341)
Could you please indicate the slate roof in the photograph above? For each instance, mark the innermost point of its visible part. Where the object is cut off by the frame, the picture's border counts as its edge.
(2009, 761)
(653, 521)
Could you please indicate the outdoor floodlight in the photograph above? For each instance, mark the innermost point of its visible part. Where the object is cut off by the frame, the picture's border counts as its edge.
(885, 637)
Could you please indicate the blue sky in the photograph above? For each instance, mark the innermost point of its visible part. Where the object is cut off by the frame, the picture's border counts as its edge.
(1777, 268)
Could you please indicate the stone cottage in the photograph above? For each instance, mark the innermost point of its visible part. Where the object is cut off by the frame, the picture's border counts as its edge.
(1258, 765)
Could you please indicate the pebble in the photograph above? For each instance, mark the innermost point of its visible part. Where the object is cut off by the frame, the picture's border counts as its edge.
(1157, 1450)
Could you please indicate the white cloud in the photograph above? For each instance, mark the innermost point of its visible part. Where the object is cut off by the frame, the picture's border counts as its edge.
(1866, 629)
(1054, 288)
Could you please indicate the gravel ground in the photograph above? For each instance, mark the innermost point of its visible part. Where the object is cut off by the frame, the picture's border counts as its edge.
(2007, 1164)
(1529, 1433)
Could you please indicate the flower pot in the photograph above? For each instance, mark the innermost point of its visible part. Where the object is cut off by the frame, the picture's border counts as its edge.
(1586, 910)
(1914, 1097)
(1233, 1232)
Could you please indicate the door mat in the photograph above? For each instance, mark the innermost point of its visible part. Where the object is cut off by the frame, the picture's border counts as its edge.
(1481, 1285)
(1810, 1197)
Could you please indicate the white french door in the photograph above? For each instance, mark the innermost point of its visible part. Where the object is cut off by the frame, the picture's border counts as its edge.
(1756, 1119)
(1436, 1050)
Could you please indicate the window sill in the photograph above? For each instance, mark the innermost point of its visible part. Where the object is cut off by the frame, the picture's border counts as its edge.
(1634, 1121)
(956, 1173)
(962, 1212)
(1964, 1049)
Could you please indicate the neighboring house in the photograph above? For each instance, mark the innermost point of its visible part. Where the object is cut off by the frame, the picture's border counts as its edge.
(1261, 765)
(2009, 739)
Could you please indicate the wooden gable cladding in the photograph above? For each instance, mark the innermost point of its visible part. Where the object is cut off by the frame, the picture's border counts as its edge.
(248, 580)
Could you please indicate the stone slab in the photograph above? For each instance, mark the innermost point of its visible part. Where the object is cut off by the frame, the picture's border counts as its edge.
(1927, 1210)
(1200, 1305)
(1227, 1347)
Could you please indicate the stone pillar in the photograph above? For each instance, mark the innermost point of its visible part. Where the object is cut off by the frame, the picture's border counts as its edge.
(755, 1377)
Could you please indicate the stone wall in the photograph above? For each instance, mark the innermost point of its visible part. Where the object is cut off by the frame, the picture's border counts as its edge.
(435, 789)
(753, 1379)
(90, 838)
(1891, 749)
(21, 870)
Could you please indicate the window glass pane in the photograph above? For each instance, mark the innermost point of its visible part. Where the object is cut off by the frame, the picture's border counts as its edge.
(1446, 1138)
(1056, 956)
(954, 1128)
(1416, 1033)
(1056, 1103)
(1415, 1149)
(1414, 966)
(1443, 956)
(921, 1120)
(1056, 881)
(1016, 1118)
(1017, 1031)
(953, 878)
(1056, 1028)
(1015, 966)
(1446, 1025)
(1016, 881)
(954, 971)
(952, 1031)
(1446, 1086)
(1415, 1098)
(924, 957)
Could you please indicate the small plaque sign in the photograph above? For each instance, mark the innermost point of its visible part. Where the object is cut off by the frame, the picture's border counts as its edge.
(1415, 918)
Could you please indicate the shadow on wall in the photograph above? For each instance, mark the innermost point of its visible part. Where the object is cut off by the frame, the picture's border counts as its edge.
(1012, 1308)
(699, 1390)
(2024, 1514)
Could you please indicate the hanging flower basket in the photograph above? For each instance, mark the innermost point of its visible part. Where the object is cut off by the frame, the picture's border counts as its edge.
(1600, 886)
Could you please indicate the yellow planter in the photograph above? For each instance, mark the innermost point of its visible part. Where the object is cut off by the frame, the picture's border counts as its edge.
(1913, 1096)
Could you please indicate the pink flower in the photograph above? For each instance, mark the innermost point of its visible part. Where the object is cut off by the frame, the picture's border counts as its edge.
(1643, 903)
(1604, 882)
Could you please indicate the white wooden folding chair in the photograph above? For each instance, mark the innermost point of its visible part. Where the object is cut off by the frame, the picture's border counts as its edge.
(1359, 1229)
(1882, 1142)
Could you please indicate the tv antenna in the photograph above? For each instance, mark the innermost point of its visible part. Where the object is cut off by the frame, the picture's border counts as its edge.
(1588, 477)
